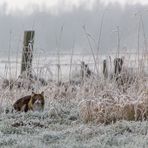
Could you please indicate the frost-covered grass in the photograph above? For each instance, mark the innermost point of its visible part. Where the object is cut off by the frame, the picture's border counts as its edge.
(61, 124)
(39, 130)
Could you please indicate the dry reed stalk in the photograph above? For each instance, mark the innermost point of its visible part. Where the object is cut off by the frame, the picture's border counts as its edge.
(92, 51)
(71, 60)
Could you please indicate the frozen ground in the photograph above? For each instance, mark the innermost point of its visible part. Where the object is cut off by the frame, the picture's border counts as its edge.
(60, 125)
(38, 130)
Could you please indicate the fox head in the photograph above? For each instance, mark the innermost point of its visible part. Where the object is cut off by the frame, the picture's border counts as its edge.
(37, 102)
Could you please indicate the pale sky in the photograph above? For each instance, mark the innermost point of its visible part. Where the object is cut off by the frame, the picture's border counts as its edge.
(55, 6)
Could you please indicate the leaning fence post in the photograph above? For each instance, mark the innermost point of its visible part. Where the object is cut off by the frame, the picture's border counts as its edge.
(27, 54)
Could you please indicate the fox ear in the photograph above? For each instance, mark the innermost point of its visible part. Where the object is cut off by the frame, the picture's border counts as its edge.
(42, 93)
(33, 93)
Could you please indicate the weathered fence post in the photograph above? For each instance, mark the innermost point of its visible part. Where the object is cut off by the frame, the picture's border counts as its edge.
(105, 69)
(27, 54)
(118, 62)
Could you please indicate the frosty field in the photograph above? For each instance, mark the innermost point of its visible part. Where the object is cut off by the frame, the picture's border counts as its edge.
(62, 124)
(74, 74)
(33, 130)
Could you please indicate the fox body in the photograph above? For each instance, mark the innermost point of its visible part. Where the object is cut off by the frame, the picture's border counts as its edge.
(34, 102)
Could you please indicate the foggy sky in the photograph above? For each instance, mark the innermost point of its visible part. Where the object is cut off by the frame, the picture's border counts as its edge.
(49, 36)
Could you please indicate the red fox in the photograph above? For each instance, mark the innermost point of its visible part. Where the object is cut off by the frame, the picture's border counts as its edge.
(34, 102)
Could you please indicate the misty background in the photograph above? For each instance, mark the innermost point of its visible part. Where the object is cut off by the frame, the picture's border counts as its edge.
(64, 30)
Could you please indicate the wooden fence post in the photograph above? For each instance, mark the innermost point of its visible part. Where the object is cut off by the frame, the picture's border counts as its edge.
(27, 55)
(105, 69)
(118, 62)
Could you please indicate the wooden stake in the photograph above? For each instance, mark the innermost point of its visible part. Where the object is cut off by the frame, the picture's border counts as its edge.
(27, 54)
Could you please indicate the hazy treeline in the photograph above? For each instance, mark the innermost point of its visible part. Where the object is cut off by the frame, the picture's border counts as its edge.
(50, 37)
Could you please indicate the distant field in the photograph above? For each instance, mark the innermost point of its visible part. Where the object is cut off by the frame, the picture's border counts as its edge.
(46, 65)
